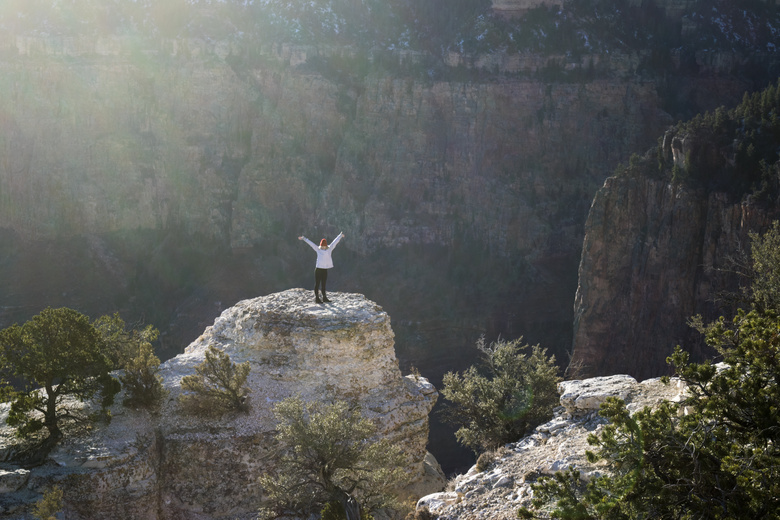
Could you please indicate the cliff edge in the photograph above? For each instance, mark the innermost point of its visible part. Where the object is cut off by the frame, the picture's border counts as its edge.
(167, 464)
(498, 491)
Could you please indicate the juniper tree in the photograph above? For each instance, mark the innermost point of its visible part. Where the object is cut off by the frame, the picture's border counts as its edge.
(132, 351)
(218, 385)
(508, 394)
(57, 354)
(329, 455)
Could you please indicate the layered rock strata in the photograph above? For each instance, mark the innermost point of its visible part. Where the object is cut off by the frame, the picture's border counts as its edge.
(498, 492)
(512, 8)
(170, 465)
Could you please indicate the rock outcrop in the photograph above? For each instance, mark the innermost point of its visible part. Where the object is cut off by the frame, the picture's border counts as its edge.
(654, 255)
(169, 465)
(499, 491)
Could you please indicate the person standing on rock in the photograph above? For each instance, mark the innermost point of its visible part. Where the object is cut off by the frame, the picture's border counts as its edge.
(324, 262)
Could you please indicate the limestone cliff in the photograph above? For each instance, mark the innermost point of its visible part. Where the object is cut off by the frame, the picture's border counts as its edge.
(483, 165)
(505, 486)
(168, 465)
(478, 188)
(654, 255)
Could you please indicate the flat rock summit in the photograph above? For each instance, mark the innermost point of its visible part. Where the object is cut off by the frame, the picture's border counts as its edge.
(165, 464)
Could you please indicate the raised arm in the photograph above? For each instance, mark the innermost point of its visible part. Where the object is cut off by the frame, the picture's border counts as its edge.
(311, 244)
(336, 240)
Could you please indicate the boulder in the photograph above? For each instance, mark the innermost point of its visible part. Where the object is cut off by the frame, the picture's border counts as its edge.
(581, 397)
(13, 480)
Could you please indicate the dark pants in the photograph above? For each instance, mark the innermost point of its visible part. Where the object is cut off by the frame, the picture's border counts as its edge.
(320, 277)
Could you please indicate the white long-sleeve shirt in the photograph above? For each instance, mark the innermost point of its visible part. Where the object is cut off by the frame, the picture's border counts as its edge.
(324, 261)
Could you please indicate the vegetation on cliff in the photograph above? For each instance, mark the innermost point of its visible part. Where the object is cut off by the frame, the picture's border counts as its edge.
(132, 350)
(467, 260)
(49, 505)
(57, 354)
(509, 394)
(217, 386)
(330, 460)
(713, 455)
(734, 151)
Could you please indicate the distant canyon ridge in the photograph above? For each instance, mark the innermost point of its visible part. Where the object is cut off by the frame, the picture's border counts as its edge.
(169, 180)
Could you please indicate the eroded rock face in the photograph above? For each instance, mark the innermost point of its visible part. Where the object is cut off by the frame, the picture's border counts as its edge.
(170, 465)
(505, 486)
(654, 255)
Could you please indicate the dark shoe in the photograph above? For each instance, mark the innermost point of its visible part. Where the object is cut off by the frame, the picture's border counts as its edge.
(325, 298)
(317, 299)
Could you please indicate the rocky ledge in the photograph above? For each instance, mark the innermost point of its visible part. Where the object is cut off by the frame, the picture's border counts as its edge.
(167, 464)
(498, 492)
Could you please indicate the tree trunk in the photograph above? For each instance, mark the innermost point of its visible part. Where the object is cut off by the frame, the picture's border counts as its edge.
(351, 506)
(50, 419)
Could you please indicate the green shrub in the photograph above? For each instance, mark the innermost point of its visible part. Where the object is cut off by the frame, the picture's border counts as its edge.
(329, 460)
(49, 505)
(141, 379)
(217, 385)
(514, 392)
(715, 455)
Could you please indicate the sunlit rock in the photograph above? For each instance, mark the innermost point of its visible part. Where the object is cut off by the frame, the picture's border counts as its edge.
(557, 445)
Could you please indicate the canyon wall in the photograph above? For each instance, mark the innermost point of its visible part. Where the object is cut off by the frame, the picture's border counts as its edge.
(136, 147)
(230, 151)
(654, 255)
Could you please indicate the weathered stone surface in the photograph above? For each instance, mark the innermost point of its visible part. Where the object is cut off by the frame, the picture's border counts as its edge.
(13, 480)
(583, 397)
(171, 465)
(498, 492)
(654, 255)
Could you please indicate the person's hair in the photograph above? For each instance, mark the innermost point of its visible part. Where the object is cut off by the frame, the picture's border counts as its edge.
(323, 243)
